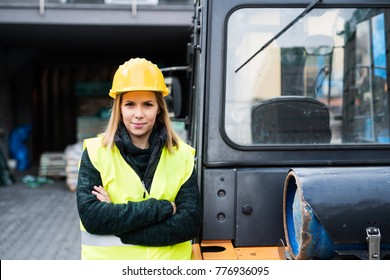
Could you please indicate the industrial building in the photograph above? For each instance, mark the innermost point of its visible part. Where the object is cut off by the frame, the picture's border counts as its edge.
(57, 59)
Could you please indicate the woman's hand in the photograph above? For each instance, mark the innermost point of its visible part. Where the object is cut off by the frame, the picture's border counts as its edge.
(101, 194)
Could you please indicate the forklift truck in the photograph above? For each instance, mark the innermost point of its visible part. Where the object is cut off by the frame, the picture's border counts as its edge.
(288, 109)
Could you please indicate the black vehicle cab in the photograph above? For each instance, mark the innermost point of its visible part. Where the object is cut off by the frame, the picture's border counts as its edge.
(289, 112)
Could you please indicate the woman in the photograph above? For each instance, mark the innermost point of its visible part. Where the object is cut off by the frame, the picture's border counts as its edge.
(137, 193)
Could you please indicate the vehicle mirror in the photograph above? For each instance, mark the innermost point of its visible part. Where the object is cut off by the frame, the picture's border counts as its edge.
(174, 99)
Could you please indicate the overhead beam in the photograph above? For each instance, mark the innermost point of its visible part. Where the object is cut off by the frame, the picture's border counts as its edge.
(166, 15)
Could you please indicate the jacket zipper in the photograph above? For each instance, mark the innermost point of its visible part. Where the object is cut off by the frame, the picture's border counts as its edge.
(143, 184)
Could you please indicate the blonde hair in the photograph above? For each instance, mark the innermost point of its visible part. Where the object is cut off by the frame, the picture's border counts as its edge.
(162, 119)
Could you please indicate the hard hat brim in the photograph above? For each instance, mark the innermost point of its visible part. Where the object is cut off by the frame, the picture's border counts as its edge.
(114, 94)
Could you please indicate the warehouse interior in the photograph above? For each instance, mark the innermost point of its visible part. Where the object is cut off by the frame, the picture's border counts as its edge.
(55, 72)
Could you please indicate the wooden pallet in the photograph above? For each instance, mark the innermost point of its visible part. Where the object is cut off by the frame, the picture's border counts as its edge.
(52, 164)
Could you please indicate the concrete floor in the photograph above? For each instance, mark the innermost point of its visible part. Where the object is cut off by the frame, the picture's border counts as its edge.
(38, 223)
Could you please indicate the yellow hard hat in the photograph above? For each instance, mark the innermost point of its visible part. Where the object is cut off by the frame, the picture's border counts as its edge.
(138, 74)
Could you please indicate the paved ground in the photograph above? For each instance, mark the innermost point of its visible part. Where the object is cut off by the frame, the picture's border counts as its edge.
(38, 223)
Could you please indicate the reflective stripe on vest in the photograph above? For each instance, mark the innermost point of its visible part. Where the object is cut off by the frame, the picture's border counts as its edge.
(123, 185)
(101, 240)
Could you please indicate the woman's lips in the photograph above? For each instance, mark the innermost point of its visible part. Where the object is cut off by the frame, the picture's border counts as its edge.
(138, 125)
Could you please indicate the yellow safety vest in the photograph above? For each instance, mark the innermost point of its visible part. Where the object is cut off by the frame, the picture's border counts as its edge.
(172, 172)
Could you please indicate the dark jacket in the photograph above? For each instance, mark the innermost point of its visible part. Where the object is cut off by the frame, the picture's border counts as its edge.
(149, 222)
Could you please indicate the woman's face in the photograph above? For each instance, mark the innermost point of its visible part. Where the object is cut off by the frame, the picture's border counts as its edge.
(139, 110)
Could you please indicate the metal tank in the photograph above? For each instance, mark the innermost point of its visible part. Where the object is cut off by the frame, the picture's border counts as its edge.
(337, 213)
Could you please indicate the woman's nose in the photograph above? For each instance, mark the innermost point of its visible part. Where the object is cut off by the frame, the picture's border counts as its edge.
(138, 112)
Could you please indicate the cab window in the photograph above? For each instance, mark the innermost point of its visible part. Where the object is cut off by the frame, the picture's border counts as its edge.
(324, 81)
